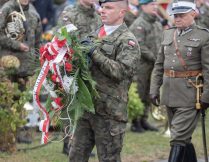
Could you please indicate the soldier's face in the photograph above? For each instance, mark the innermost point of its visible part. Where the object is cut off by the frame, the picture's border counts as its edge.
(24, 2)
(184, 20)
(112, 13)
(150, 8)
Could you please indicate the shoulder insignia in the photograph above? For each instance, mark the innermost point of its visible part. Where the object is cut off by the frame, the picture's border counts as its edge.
(131, 43)
(202, 28)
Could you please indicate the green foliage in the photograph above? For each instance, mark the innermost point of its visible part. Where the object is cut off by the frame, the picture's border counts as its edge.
(11, 106)
(135, 106)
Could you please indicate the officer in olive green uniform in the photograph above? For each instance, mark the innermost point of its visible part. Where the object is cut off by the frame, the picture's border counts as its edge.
(148, 32)
(23, 47)
(84, 17)
(203, 17)
(183, 55)
(113, 65)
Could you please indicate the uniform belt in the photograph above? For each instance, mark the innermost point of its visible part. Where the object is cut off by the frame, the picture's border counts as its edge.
(181, 74)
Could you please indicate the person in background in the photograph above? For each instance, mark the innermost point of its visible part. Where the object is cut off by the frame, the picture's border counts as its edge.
(46, 12)
(20, 38)
(133, 12)
(148, 31)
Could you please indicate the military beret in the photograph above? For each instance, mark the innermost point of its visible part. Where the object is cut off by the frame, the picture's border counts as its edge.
(104, 1)
(142, 2)
(183, 6)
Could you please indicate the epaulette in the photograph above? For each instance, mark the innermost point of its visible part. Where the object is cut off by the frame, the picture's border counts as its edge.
(202, 28)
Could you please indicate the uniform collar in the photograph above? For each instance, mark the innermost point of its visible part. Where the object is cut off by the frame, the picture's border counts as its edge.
(148, 17)
(186, 30)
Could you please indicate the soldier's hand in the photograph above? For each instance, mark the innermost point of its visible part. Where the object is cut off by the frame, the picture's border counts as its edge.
(24, 47)
(204, 105)
(86, 42)
(155, 99)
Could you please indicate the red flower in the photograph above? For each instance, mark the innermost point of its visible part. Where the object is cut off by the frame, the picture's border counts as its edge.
(42, 50)
(72, 51)
(58, 101)
(54, 78)
(60, 43)
(68, 67)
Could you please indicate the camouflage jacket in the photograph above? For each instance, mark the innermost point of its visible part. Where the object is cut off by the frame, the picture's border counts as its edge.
(33, 27)
(114, 64)
(32, 36)
(203, 18)
(147, 31)
(85, 19)
(193, 44)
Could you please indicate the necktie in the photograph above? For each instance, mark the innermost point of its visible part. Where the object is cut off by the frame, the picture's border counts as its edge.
(102, 32)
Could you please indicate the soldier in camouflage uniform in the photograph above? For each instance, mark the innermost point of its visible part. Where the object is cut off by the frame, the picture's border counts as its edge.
(24, 46)
(182, 56)
(148, 32)
(203, 16)
(2, 2)
(114, 61)
(84, 17)
(133, 12)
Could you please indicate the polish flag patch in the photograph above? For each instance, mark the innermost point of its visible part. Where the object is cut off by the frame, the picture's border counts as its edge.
(131, 43)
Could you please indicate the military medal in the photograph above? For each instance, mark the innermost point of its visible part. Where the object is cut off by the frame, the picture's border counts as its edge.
(189, 52)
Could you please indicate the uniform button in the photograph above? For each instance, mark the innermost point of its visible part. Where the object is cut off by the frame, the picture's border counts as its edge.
(174, 54)
(178, 41)
(172, 67)
(173, 60)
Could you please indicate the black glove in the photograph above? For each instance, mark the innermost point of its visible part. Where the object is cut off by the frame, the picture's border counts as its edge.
(204, 105)
(155, 99)
(86, 42)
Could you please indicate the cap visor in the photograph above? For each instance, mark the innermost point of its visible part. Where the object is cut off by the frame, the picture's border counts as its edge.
(179, 11)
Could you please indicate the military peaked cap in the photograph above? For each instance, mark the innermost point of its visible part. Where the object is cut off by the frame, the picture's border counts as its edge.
(183, 6)
(104, 1)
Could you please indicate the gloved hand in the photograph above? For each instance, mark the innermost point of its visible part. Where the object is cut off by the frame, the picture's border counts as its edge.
(88, 42)
(155, 99)
(204, 105)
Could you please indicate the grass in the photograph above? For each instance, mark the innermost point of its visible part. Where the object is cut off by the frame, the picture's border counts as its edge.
(145, 147)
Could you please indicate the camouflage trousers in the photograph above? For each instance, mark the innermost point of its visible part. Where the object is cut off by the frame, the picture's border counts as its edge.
(106, 134)
(182, 122)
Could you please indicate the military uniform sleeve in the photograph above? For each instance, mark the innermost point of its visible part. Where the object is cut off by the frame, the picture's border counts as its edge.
(38, 33)
(157, 74)
(124, 64)
(4, 40)
(205, 70)
(66, 16)
(139, 32)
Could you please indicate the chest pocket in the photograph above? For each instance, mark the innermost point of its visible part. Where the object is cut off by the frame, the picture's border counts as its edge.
(167, 46)
(191, 49)
(108, 50)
